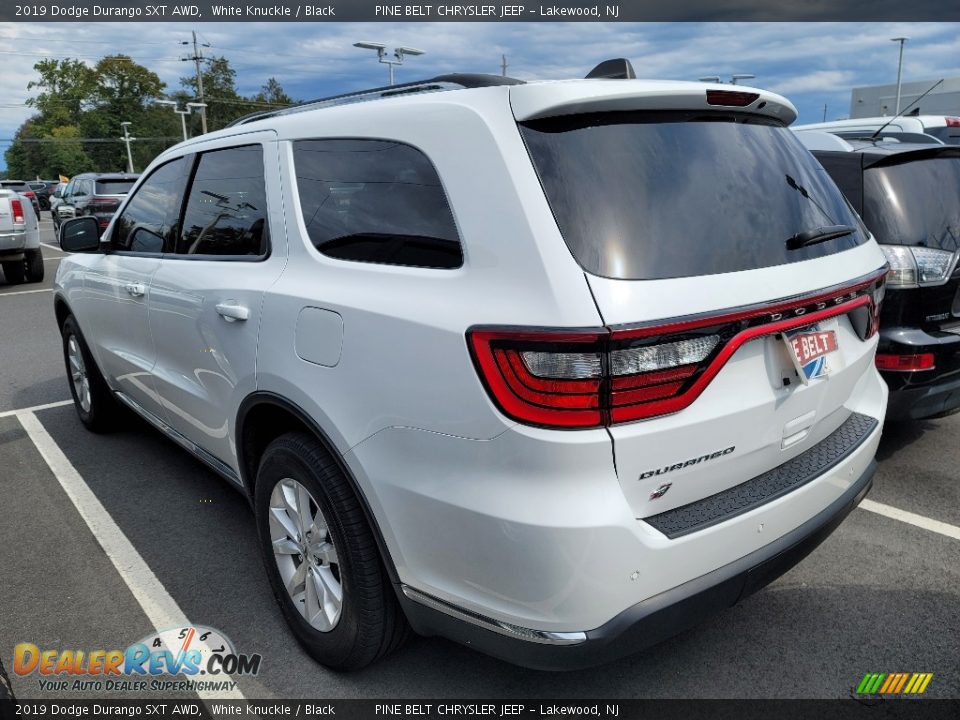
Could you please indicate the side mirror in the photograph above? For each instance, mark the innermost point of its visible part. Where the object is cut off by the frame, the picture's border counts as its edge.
(80, 234)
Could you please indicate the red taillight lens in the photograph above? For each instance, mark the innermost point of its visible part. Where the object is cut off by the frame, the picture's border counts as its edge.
(953, 122)
(16, 209)
(104, 201)
(604, 376)
(905, 363)
(731, 98)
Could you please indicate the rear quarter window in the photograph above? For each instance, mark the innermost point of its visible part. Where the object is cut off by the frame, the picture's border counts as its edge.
(375, 201)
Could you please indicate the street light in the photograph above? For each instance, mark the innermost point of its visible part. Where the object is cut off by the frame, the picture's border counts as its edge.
(398, 54)
(900, 40)
(733, 78)
(127, 140)
(182, 113)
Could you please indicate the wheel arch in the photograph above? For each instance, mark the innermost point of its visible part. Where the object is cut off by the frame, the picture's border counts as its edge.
(264, 416)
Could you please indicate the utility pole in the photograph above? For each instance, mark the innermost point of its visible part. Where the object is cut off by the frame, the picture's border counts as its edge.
(196, 58)
(503, 65)
(126, 139)
(824, 112)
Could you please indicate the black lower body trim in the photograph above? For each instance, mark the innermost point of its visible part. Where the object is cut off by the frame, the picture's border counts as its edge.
(661, 616)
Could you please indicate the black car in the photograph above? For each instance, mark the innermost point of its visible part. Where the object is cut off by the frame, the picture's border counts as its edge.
(43, 189)
(909, 197)
(97, 194)
(21, 187)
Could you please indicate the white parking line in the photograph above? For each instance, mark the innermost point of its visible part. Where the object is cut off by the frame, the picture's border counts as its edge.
(35, 408)
(52, 247)
(161, 609)
(941, 528)
(25, 292)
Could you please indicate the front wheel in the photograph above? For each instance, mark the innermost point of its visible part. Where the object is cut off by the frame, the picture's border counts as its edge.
(92, 398)
(321, 557)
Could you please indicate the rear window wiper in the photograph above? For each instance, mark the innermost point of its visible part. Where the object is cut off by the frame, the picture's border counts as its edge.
(818, 235)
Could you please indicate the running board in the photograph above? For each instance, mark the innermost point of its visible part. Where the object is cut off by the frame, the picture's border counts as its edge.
(214, 463)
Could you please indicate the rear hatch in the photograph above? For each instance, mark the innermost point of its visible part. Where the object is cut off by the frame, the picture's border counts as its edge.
(911, 200)
(711, 240)
(109, 193)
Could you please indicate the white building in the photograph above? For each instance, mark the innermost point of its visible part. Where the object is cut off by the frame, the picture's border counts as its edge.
(882, 99)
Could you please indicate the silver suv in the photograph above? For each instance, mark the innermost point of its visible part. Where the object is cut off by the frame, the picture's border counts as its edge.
(552, 369)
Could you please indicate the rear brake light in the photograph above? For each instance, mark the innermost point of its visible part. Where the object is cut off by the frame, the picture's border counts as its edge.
(604, 376)
(953, 121)
(905, 363)
(16, 207)
(731, 98)
(96, 200)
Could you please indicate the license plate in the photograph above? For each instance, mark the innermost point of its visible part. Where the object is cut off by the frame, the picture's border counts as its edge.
(810, 348)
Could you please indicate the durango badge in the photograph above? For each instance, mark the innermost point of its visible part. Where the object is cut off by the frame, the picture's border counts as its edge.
(688, 463)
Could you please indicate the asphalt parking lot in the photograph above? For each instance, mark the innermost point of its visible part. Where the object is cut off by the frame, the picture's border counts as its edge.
(104, 538)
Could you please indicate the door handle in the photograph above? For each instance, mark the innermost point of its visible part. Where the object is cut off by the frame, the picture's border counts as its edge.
(231, 311)
(135, 289)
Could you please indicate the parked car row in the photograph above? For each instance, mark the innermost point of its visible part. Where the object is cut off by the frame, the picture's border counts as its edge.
(95, 194)
(552, 369)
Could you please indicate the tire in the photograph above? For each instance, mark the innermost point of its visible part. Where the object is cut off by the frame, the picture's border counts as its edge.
(34, 265)
(15, 271)
(95, 404)
(368, 623)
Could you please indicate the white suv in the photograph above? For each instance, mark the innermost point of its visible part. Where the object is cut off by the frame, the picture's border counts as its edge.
(552, 369)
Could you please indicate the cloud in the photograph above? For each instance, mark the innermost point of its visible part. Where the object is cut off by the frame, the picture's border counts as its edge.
(812, 63)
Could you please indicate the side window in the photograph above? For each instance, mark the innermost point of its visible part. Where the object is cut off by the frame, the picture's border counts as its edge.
(150, 217)
(82, 188)
(68, 190)
(226, 211)
(375, 201)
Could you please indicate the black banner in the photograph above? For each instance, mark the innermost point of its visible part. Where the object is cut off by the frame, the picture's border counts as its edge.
(487, 709)
(193, 11)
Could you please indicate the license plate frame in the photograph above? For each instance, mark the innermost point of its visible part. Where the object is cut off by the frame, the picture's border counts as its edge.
(809, 348)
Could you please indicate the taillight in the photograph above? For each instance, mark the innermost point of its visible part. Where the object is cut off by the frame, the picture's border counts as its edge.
(731, 98)
(599, 377)
(905, 363)
(16, 208)
(953, 121)
(104, 201)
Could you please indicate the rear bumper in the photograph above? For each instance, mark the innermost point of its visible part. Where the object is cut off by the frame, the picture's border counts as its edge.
(924, 393)
(12, 242)
(654, 619)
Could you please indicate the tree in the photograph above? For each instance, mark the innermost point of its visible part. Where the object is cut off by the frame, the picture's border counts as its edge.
(219, 91)
(273, 93)
(66, 87)
(64, 153)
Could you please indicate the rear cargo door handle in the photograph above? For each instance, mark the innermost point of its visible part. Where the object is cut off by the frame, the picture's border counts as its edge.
(797, 429)
(231, 311)
(135, 289)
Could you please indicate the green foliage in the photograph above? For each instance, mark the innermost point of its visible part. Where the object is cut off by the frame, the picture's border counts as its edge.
(79, 109)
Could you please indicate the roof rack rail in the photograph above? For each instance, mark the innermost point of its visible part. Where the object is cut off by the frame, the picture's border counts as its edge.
(450, 81)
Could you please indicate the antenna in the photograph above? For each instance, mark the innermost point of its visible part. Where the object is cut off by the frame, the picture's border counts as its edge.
(929, 90)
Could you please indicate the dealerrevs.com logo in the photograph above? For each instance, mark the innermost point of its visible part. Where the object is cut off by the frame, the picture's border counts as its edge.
(203, 655)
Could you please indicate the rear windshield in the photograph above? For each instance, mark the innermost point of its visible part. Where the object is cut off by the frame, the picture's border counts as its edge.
(915, 202)
(114, 187)
(658, 195)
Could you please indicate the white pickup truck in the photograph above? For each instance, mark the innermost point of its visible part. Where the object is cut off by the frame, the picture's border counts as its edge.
(20, 255)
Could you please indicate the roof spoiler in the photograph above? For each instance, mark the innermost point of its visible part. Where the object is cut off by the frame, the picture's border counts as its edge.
(615, 69)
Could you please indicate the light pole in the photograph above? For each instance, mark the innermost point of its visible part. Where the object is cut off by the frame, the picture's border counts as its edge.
(182, 113)
(398, 54)
(900, 40)
(127, 140)
(733, 78)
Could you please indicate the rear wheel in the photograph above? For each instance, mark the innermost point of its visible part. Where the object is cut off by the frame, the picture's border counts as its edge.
(321, 557)
(15, 271)
(34, 265)
(95, 404)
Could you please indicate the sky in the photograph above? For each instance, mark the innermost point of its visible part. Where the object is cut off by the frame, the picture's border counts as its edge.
(811, 63)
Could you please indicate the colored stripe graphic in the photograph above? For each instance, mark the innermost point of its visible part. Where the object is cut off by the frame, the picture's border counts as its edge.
(894, 683)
